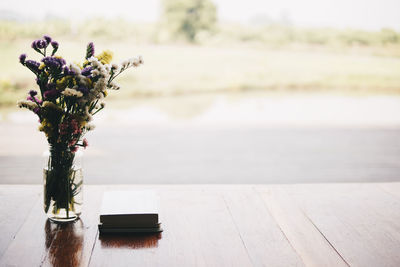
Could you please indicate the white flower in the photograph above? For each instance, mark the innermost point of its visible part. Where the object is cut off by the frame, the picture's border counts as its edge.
(140, 58)
(100, 86)
(88, 115)
(95, 72)
(27, 104)
(75, 68)
(107, 67)
(114, 86)
(125, 64)
(100, 96)
(94, 62)
(83, 80)
(115, 68)
(72, 93)
(104, 72)
(90, 127)
(100, 105)
(135, 62)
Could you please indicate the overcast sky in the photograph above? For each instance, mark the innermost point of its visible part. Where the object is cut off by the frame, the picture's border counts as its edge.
(364, 14)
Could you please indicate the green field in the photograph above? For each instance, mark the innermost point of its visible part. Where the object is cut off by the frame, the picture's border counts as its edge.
(173, 68)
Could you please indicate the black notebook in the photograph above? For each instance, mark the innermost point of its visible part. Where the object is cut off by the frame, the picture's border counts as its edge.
(129, 211)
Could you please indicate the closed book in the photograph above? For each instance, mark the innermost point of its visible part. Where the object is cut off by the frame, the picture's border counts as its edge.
(129, 209)
(108, 229)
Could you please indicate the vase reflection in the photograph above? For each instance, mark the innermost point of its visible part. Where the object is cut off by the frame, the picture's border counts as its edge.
(64, 243)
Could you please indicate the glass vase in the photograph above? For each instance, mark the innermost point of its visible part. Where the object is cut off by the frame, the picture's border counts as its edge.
(62, 180)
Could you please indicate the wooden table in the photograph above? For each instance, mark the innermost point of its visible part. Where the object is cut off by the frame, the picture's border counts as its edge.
(215, 225)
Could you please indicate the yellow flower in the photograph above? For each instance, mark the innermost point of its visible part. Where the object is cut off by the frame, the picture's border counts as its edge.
(47, 128)
(62, 83)
(79, 65)
(90, 82)
(51, 105)
(41, 66)
(105, 57)
(105, 93)
(82, 122)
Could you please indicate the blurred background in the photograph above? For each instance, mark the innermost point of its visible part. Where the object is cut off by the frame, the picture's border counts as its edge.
(248, 91)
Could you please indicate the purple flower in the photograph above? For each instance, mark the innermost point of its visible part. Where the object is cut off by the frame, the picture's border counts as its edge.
(36, 111)
(86, 71)
(47, 38)
(51, 94)
(34, 44)
(83, 89)
(54, 44)
(32, 93)
(51, 86)
(53, 62)
(68, 71)
(22, 58)
(34, 99)
(90, 50)
(39, 44)
(42, 44)
(32, 65)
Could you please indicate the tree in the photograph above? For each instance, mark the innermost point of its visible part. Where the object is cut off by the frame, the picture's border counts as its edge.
(189, 17)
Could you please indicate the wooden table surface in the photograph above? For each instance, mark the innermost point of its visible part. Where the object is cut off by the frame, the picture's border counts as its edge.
(215, 225)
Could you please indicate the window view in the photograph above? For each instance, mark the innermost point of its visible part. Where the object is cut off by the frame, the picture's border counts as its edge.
(243, 92)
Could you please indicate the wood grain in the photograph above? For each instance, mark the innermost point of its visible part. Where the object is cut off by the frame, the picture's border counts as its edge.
(198, 231)
(360, 220)
(16, 203)
(215, 225)
(264, 240)
(306, 239)
(32, 241)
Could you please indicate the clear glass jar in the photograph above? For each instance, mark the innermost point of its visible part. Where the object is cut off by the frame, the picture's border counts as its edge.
(63, 183)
